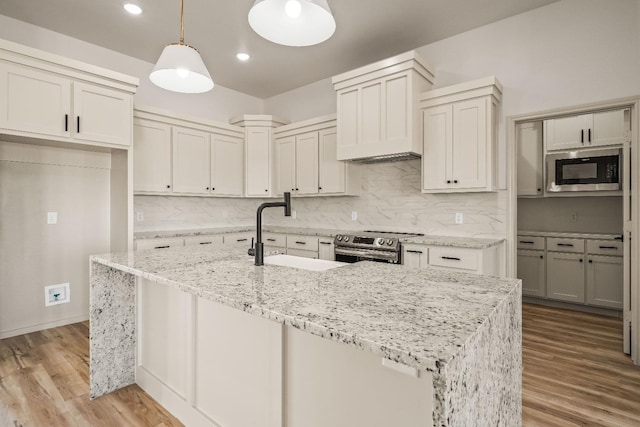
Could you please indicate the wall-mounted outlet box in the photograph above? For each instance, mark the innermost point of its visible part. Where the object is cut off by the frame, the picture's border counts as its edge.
(354, 216)
(139, 216)
(57, 294)
(52, 217)
(294, 215)
(459, 218)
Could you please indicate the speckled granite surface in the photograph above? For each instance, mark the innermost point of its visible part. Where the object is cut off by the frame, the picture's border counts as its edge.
(455, 325)
(601, 236)
(458, 242)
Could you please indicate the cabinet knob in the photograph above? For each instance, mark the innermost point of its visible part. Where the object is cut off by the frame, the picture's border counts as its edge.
(455, 181)
(297, 189)
(168, 186)
(448, 181)
(213, 188)
(319, 188)
(580, 260)
(266, 191)
(207, 188)
(541, 256)
(590, 261)
(539, 189)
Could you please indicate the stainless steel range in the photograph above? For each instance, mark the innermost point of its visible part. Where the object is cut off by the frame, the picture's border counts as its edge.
(381, 246)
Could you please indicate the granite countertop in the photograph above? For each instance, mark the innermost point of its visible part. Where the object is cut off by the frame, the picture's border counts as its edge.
(460, 242)
(418, 317)
(603, 236)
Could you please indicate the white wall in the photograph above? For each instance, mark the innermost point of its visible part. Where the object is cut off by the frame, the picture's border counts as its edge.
(220, 104)
(313, 100)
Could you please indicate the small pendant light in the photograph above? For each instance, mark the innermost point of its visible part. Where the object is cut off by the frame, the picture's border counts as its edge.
(180, 67)
(292, 22)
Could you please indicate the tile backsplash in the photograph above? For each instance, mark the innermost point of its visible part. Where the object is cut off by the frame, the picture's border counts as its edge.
(390, 200)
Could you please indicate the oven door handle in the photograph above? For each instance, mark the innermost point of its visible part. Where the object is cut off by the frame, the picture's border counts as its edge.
(371, 254)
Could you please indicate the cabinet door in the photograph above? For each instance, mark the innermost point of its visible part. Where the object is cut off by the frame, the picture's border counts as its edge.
(151, 156)
(609, 128)
(530, 159)
(415, 256)
(469, 151)
(348, 122)
(227, 165)
(34, 101)
(331, 171)
(438, 139)
(605, 281)
(307, 163)
(531, 272)
(397, 109)
(566, 132)
(285, 165)
(565, 276)
(302, 253)
(258, 159)
(101, 114)
(370, 129)
(191, 160)
(326, 249)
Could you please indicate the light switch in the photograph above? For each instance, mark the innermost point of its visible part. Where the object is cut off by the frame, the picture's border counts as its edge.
(52, 217)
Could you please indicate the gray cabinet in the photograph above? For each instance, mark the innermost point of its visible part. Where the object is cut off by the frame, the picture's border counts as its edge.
(531, 270)
(565, 276)
(604, 281)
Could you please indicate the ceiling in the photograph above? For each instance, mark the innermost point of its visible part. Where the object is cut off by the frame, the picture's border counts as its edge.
(367, 31)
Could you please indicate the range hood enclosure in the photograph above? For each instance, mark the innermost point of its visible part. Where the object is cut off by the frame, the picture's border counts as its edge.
(378, 113)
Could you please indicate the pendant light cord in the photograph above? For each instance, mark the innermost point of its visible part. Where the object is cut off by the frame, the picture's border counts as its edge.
(181, 21)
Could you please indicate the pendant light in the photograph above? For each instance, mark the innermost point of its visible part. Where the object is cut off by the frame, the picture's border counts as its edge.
(292, 22)
(180, 67)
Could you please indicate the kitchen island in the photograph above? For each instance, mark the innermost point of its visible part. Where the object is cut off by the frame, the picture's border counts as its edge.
(452, 339)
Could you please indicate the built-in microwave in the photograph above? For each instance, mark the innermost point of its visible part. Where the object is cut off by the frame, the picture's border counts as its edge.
(586, 170)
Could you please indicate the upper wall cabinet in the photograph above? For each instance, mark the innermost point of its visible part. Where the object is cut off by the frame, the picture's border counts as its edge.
(377, 108)
(306, 162)
(185, 156)
(530, 159)
(586, 130)
(259, 153)
(45, 96)
(460, 137)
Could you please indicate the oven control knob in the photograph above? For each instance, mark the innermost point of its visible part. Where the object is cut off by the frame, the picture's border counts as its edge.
(380, 241)
(346, 238)
(389, 242)
(339, 237)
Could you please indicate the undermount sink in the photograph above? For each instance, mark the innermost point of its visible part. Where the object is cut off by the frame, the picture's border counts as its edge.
(302, 263)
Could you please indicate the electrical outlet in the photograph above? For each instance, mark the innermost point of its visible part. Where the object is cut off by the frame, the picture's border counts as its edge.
(57, 294)
(52, 217)
(459, 218)
(139, 216)
(573, 216)
(354, 216)
(293, 215)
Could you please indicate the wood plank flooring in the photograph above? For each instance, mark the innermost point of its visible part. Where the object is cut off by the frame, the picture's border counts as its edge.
(575, 374)
(44, 381)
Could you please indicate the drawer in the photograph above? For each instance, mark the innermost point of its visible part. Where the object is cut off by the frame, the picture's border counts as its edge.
(273, 239)
(531, 242)
(605, 247)
(242, 239)
(161, 243)
(212, 239)
(307, 243)
(461, 258)
(558, 244)
(303, 253)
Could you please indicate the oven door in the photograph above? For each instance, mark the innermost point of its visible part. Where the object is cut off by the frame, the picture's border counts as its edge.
(351, 255)
(597, 170)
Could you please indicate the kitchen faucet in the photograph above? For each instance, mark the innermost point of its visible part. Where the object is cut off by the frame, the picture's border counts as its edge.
(259, 249)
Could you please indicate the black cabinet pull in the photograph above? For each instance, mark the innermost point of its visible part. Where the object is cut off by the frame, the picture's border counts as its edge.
(590, 261)
(541, 257)
(265, 190)
(580, 259)
(608, 247)
(414, 252)
(301, 243)
(589, 134)
(206, 243)
(455, 181)
(207, 188)
(566, 244)
(539, 189)
(162, 247)
(66, 123)
(325, 243)
(297, 189)
(581, 136)
(452, 258)
(241, 240)
(78, 124)
(448, 181)
(168, 186)
(319, 188)
(213, 188)
(271, 240)
(528, 242)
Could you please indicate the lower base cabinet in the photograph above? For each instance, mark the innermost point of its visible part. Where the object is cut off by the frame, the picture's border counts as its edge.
(478, 261)
(565, 276)
(212, 365)
(531, 270)
(604, 276)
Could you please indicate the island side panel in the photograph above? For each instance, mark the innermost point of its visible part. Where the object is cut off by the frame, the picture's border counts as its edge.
(483, 383)
(112, 338)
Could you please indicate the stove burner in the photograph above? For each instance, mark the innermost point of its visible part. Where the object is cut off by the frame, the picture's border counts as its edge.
(372, 245)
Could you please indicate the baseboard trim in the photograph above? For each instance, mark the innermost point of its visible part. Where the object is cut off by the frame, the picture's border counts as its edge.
(576, 307)
(42, 326)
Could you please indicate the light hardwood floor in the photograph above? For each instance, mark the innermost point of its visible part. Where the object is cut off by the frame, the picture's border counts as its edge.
(575, 374)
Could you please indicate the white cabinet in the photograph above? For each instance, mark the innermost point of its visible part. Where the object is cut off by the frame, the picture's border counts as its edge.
(159, 243)
(46, 104)
(191, 161)
(530, 159)
(531, 270)
(587, 130)
(460, 137)
(204, 240)
(239, 239)
(415, 256)
(306, 162)
(565, 276)
(604, 281)
(151, 156)
(303, 246)
(326, 249)
(274, 242)
(297, 164)
(227, 165)
(181, 156)
(259, 153)
(377, 114)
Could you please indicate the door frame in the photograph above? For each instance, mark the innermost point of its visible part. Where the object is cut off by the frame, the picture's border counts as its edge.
(632, 316)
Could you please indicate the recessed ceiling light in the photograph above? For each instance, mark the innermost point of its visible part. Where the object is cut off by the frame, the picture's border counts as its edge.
(243, 56)
(132, 8)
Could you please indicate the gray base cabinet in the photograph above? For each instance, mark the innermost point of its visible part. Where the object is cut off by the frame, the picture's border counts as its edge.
(604, 279)
(565, 276)
(531, 269)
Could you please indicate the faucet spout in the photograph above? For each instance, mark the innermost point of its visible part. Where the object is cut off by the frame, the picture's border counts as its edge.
(259, 249)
